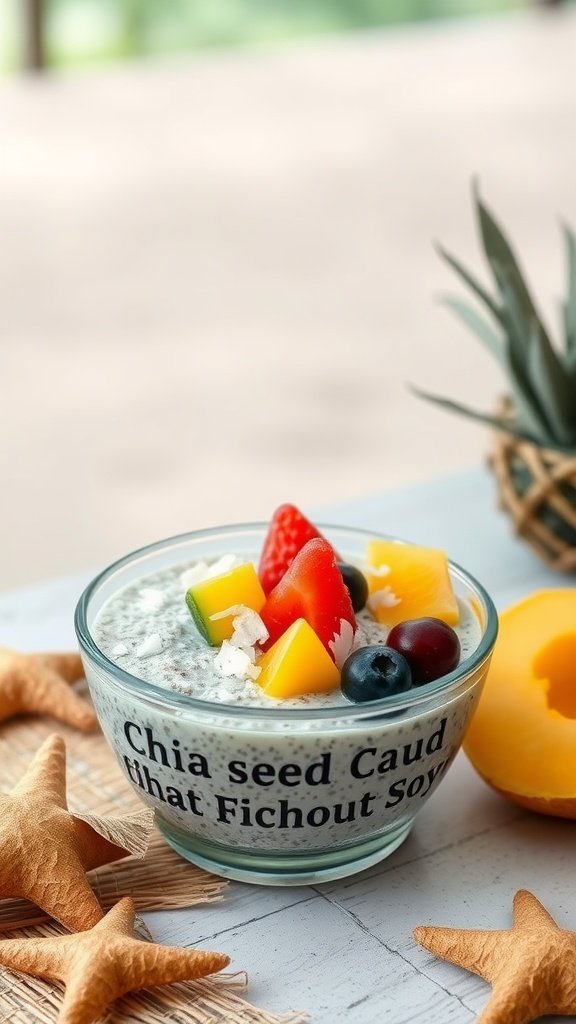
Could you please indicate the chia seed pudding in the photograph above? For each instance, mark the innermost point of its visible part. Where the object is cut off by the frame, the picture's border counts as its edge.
(148, 630)
(252, 787)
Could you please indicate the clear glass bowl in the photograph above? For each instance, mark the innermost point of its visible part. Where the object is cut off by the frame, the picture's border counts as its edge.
(340, 786)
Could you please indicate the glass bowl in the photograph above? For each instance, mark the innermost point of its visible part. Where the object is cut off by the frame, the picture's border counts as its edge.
(280, 796)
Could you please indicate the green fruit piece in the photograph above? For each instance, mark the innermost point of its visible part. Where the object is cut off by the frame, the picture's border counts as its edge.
(240, 586)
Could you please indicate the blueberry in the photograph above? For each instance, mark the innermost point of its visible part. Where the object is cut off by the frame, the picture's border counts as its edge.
(371, 673)
(356, 583)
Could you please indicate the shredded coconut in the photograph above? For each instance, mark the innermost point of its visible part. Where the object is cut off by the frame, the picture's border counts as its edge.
(194, 574)
(377, 570)
(226, 613)
(201, 571)
(233, 661)
(151, 645)
(385, 598)
(249, 629)
(150, 599)
(342, 643)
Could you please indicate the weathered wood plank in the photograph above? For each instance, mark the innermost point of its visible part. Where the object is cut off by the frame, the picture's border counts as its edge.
(470, 884)
(244, 904)
(314, 957)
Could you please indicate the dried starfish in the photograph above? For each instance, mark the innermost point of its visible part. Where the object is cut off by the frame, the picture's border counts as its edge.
(531, 967)
(106, 962)
(40, 683)
(45, 850)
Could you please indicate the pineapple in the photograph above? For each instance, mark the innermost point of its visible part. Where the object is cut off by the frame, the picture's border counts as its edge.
(534, 455)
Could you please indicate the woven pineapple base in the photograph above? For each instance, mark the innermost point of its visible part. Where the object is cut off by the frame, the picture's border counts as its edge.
(537, 487)
(161, 881)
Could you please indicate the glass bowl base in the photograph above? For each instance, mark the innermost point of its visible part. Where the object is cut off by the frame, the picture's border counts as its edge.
(285, 869)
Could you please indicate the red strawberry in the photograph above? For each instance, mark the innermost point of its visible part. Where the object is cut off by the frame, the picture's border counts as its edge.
(288, 533)
(312, 589)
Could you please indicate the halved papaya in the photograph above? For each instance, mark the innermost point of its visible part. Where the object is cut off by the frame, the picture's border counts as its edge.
(522, 739)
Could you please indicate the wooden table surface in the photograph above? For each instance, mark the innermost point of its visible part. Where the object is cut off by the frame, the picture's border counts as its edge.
(344, 950)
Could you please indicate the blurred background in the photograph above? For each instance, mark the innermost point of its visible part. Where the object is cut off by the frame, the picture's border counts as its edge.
(217, 273)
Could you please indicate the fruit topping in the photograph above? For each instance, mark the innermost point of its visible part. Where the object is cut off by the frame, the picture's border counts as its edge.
(288, 533)
(208, 599)
(297, 664)
(313, 589)
(430, 646)
(371, 673)
(409, 582)
(356, 583)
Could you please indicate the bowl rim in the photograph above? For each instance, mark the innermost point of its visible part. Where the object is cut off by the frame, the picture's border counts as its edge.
(418, 697)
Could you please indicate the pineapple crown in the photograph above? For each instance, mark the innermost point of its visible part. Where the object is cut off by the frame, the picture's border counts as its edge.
(541, 377)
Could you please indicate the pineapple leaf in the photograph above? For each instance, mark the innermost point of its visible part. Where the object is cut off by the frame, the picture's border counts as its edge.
(529, 414)
(529, 418)
(548, 386)
(569, 306)
(492, 341)
(469, 280)
(474, 414)
(510, 352)
(502, 258)
(523, 322)
(542, 380)
(526, 393)
(556, 389)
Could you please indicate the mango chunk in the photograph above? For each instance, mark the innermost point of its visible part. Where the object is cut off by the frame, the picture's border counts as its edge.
(240, 586)
(297, 663)
(416, 584)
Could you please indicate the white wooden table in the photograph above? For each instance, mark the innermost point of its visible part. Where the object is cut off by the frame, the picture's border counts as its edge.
(344, 950)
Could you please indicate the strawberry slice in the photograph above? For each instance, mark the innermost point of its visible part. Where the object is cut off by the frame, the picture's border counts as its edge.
(288, 533)
(313, 589)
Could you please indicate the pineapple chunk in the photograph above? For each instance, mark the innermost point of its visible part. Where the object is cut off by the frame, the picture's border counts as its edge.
(297, 663)
(417, 584)
(240, 586)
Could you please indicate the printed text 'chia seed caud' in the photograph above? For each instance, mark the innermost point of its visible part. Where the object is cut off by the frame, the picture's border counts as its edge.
(390, 775)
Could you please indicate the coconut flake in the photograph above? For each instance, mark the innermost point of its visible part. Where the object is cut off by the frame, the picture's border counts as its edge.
(385, 598)
(232, 661)
(225, 564)
(378, 570)
(226, 613)
(195, 574)
(342, 643)
(202, 571)
(248, 629)
(238, 659)
(151, 645)
(150, 599)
